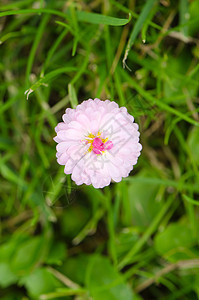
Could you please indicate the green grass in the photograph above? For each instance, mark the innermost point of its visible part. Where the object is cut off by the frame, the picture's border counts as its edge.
(137, 239)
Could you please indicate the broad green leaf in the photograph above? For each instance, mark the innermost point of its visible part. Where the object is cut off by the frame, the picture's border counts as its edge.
(57, 253)
(175, 82)
(104, 282)
(8, 249)
(27, 255)
(175, 241)
(125, 240)
(39, 282)
(74, 268)
(73, 220)
(144, 203)
(7, 277)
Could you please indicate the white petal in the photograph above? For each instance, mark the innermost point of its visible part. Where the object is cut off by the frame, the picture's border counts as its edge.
(63, 146)
(63, 158)
(71, 134)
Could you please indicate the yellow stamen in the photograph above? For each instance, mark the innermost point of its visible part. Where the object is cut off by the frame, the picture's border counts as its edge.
(90, 138)
(104, 140)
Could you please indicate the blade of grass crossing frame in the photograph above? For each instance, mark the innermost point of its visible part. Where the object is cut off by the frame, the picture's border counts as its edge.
(146, 24)
(184, 15)
(178, 185)
(101, 19)
(127, 259)
(76, 29)
(158, 102)
(33, 50)
(109, 57)
(138, 25)
(14, 4)
(46, 78)
(72, 95)
(128, 10)
(82, 68)
(187, 198)
(53, 49)
(82, 16)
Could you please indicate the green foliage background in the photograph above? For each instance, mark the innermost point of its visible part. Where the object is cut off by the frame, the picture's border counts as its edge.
(137, 239)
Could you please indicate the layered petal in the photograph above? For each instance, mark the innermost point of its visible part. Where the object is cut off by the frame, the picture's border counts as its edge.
(98, 142)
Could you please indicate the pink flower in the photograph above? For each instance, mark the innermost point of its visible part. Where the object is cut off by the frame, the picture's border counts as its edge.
(97, 142)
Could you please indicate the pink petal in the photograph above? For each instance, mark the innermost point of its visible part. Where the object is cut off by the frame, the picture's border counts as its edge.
(107, 161)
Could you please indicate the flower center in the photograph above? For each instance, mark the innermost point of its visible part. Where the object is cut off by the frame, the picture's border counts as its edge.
(97, 144)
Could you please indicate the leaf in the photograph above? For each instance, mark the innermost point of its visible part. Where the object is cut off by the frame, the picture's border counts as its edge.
(39, 282)
(174, 240)
(7, 277)
(73, 220)
(74, 268)
(7, 250)
(104, 282)
(125, 240)
(57, 253)
(144, 204)
(27, 255)
(138, 25)
(176, 82)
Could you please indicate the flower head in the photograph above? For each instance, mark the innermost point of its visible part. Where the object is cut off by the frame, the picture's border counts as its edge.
(97, 142)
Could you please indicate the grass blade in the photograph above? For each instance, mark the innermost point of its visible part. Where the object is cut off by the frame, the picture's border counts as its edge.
(82, 16)
(94, 18)
(146, 235)
(138, 25)
(158, 102)
(184, 16)
(72, 95)
(194, 202)
(35, 46)
(47, 78)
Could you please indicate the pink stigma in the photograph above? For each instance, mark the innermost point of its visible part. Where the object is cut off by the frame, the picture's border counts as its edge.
(99, 146)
